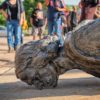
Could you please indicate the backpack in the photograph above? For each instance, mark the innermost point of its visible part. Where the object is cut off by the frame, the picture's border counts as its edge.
(91, 2)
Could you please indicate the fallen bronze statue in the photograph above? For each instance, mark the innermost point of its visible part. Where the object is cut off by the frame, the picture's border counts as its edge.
(40, 63)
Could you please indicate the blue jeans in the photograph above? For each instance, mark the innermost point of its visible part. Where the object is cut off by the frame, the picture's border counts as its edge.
(13, 33)
(55, 26)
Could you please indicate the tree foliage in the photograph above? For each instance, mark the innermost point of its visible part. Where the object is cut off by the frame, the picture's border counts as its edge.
(2, 19)
(29, 6)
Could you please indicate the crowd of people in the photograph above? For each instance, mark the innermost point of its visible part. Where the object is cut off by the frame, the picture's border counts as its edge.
(59, 19)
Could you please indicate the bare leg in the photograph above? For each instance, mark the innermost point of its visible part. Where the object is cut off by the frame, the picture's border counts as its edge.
(40, 37)
(34, 37)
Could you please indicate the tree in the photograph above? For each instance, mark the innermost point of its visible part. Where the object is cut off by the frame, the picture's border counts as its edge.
(2, 19)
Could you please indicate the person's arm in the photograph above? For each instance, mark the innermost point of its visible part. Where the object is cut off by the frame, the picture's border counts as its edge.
(4, 13)
(47, 2)
(67, 9)
(3, 8)
(22, 18)
(31, 17)
(61, 9)
(31, 20)
(22, 10)
(45, 17)
(81, 4)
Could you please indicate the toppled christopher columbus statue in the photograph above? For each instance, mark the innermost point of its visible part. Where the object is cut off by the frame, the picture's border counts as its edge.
(41, 62)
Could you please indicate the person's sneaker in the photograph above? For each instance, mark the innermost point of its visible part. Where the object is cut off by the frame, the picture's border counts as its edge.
(10, 49)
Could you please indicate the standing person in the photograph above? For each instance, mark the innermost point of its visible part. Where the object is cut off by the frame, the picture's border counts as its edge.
(55, 10)
(38, 21)
(88, 8)
(72, 18)
(13, 11)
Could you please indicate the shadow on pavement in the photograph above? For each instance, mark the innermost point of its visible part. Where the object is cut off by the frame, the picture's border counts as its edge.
(7, 61)
(66, 87)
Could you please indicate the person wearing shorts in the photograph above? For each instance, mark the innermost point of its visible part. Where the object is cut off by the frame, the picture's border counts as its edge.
(37, 31)
(38, 21)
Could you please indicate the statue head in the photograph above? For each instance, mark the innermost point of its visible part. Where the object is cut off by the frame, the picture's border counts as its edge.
(41, 78)
(34, 64)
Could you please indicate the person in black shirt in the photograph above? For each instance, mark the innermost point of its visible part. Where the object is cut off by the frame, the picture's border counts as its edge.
(13, 11)
(38, 21)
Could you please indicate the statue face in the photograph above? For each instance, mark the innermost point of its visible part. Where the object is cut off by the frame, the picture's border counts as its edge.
(34, 64)
(45, 78)
(41, 78)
